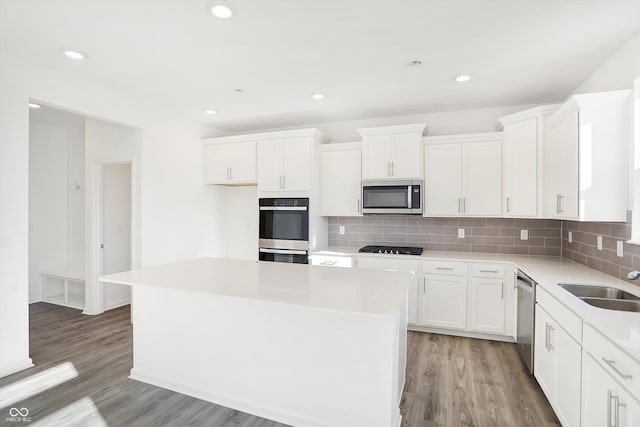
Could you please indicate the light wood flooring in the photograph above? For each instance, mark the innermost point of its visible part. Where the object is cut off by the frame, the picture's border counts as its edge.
(451, 381)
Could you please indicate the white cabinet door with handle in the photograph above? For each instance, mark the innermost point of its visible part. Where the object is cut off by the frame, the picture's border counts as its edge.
(444, 301)
(443, 180)
(482, 178)
(341, 182)
(488, 305)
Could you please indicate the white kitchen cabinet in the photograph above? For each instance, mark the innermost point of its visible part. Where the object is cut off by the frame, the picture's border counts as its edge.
(392, 152)
(382, 263)
(586, 158)
(444, 301)
(231, 163)
(284, 164)
(604, 401)
(522, 160)
(463, 175)
(487, 305)
(341, 179)
(558, 367)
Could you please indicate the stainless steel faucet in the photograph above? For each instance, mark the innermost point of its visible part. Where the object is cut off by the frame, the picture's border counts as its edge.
(633, 275)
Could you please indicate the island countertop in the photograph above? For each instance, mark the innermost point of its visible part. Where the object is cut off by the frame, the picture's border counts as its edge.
(352, 290)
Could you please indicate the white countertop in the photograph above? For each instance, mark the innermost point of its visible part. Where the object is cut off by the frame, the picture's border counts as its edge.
(358, 291)
(619, 326)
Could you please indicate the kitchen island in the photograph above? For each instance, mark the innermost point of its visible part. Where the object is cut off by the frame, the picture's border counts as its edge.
(298, 344)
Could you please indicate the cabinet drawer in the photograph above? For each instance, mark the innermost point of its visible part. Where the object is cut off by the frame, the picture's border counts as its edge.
(331, 261)
(444, 267)
(570, 321)
(488, 270)
(615, 361)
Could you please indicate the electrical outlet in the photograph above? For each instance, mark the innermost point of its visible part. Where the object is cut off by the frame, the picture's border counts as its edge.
(524, 234)
(460, 233)
(341, 230)
(620, 248)
(599, 243)
(570, 235)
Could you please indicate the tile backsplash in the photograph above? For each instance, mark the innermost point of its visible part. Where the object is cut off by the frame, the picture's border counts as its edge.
(487, 235)
(584, 250)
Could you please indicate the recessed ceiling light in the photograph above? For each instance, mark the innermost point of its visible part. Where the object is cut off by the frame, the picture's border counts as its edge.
(221, 9)
(317, 96)
(210, 111)
(33, 105)
(74, 54)
(415, 63)
(238, 90)
(463, 78)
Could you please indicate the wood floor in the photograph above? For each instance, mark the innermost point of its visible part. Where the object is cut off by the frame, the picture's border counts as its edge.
(451, 381)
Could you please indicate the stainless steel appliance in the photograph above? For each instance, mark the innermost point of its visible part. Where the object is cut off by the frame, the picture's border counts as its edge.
(392, 196)
(284, 230)
(525, 329)
(398, 250)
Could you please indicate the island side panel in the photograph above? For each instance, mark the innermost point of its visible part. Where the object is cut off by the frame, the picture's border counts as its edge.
(296, 365)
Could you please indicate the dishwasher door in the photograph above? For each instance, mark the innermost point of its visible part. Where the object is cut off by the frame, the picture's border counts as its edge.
(526, 318)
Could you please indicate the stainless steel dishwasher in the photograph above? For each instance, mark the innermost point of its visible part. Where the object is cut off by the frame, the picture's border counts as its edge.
(525, 328)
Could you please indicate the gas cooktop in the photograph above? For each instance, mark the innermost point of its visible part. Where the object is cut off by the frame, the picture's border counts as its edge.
(396, 250)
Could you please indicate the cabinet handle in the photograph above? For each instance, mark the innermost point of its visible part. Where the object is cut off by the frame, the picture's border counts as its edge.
(515, 280)
(230, 173)
(551, 329)
(609, 408)
(392, 169)
(358, 205)
(281, 182)
(424, 285)
(488, 271)
(612, 365)
(501, 290)
(546, 336)
(616, 413)
(561, 203)
(227, 173)
(460, 204)
(508, 208)
(444, 268)
(557, 203)
(464, 204)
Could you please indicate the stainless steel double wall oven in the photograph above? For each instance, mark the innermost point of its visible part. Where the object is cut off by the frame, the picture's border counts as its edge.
(284, 230)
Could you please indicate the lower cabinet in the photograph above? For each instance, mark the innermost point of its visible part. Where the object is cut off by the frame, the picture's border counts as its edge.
(444, 301)
(604, 401)
(558, 367)
(487, 305)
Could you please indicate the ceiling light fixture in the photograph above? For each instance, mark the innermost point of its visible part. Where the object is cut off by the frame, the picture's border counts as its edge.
(210, 112)
(221, 9)
(317, 96)
(463, 78)
(238, 90)
(74, 54)
(34, 105)
(415, 63)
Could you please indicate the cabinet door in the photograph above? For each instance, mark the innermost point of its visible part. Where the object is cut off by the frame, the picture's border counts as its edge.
(269, 166)
(604, 401)
(544, 366)
(406, 155)
(482, 178)
(487, 305)
(341, 183)
(563, 200)
(296, 164)
(442, 179)
(242, 162)
(568, 373)
(520, 168)
(376, 157)
(216, 164)
(444, 301)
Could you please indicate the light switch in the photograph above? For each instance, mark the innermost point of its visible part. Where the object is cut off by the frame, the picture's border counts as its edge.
(341, 230)
(524, 234)
(570, 236)
(599, 243)
(620, 248)
(460, 233)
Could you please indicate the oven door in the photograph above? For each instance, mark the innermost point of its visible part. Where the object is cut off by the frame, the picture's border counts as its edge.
(284, 227)
(284, 255)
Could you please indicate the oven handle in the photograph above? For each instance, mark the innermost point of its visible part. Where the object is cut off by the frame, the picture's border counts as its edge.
(283, 208)
(282, 251)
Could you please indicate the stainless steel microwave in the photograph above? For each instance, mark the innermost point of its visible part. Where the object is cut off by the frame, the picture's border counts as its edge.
(392, 196)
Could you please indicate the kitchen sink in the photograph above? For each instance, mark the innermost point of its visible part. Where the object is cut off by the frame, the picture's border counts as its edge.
(600, 292)
(613, 304)
(604, 297)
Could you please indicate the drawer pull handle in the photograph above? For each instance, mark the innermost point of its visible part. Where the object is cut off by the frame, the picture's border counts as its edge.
(328, 263)
(489, 271)
(444, 268)
(612, 365)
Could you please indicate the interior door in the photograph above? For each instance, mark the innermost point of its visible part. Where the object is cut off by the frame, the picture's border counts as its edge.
(443, 179)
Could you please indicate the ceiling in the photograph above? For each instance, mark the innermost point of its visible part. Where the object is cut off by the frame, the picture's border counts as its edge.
(175, 55)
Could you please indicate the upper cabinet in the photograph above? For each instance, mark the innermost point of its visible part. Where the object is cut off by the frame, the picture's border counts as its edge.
(586, 158)
(392, 151)
(288, 163)
(463, 175)
(229, 163)
(341, 179)
(522, 161)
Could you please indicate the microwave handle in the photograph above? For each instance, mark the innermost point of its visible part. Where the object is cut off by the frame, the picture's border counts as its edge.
(409, 192)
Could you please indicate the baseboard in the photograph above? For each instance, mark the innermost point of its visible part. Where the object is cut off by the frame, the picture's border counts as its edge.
(467, 334)
(16, 367)
(36, 300)
(117, 304)
(246, 407)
